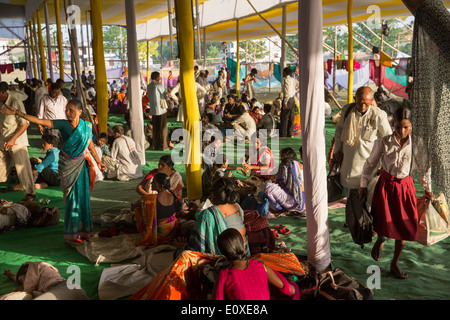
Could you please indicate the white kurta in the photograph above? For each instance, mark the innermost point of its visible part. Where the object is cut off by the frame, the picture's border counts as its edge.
(373, 125)
(126, 168)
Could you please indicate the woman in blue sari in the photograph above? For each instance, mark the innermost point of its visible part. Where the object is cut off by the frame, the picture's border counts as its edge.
(224, 213)
(76, 170)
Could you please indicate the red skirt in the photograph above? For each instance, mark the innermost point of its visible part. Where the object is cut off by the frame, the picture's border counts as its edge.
(394, 208)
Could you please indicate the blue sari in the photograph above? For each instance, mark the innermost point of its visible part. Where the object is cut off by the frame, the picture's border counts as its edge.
(74, 176)
(209, 224)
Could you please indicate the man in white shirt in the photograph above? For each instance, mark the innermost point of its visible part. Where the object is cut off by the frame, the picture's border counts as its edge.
(39, 92)
(201, 92)
(361, 124)
(52, 107)
(156, 92)
(14, 143)
(288, 108)
(244, 125)
(122, 164)
(196, 72)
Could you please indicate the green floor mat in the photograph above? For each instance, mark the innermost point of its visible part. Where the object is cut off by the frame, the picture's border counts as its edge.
(427, 266)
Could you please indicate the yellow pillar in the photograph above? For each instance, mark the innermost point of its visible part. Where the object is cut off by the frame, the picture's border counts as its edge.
(100, 68)
(33, 56)
(59, 39)
(350, 51)
(189, 97)
(148, 70)
(41, 47)
(238, 66)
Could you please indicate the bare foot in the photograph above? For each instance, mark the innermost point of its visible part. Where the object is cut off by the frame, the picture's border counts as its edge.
(398, 273)
(376, 250)
(42, 185)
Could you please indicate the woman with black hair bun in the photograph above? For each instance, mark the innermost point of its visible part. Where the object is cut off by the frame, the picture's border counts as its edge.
(157, 217)
(223, 214)
(166, 166)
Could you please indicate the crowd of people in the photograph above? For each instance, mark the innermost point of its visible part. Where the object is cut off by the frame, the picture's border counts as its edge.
(77, 156)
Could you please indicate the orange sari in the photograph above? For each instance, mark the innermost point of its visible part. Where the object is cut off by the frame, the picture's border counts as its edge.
(180, 280)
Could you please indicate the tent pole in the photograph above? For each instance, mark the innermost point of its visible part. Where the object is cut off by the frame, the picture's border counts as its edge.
(148, 70)
(310, 20)
(350, 51)
(76, 65)
(283, 43)
(72, 29)
(41, 47)
(82, 47)
(183, 11)
(197, 18)
(133, 92)
(59, 38)
(100, 68)
(378, 37)
(49, 43)
(36, 48)
(161, 53)
(27, 55)
(270, 64)
(335, 58)
(169, 10)
(87, 38)
(33, 52)
(204, 48)
(238, 65)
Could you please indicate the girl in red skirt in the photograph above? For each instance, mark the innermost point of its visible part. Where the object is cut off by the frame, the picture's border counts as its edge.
(394, 204)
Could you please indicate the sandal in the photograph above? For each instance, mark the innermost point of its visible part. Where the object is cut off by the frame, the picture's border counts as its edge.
(282, 229)
(275, 234)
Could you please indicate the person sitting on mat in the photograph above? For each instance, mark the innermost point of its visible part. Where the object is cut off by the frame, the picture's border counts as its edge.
(247, 279)
(45, 171)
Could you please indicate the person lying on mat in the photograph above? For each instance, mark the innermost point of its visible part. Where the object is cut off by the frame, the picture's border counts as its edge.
(44, 282)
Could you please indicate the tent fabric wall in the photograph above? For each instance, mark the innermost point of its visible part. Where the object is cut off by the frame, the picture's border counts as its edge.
(152, 15)
(220, 23)
(312, 113)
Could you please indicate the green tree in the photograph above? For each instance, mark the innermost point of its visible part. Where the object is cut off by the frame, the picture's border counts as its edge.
(115, 40)
(153, 50)
(255, 49)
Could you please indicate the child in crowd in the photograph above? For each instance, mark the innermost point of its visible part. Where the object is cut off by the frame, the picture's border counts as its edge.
(394, 203)
(247, 279)
(45, 171)
(101, 143)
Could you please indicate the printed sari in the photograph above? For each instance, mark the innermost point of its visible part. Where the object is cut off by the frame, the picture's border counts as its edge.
(77, 176)
(155, 231)
(290, 178)
(209, 224)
